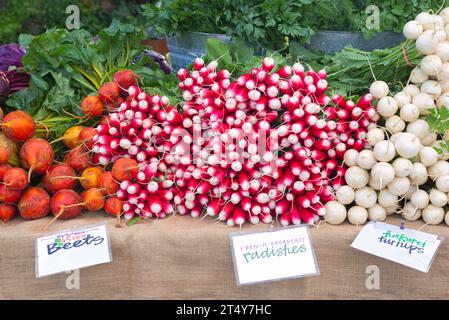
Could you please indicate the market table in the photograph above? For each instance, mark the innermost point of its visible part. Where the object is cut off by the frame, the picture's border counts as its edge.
(183, 258)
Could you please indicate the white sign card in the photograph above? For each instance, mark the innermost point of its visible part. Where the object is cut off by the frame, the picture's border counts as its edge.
(72, 249)
(275, 254)
(412, 248)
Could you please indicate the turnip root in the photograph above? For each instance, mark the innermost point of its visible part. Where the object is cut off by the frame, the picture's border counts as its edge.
(407, 145)
(345, 195)
(357, 215)
(419, 128)
(438, 198)
(429, 139)
(395, 124)
(34, 204)
(409, 112)
(403, 167)
(402, 98)
(379, 89)
(410, 212)
(432, 88)
(18, 126)
(433, 215)
(366, 159)
(418, 76)
(411, 90)
(399, 186)
(365, 197)
(412, 30)
(374, 136)
(431, 65)
(7, 212)
(384, 151)
(427, 43)
(387, 107)
(383, 172)
(428, 156)
(442, 183)
(419, 173)
(350, 157)
(356, 177)
(424, 102)
(446, 218)
(377, 213)
(335, 213)
(420, 199)
(441, 168)
(391, 210)
(386, 199)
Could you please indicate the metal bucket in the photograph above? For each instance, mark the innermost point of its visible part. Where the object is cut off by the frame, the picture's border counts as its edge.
(334, 41)
(185, 48)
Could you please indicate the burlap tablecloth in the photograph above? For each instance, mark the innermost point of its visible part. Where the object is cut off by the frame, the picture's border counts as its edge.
(183, 258)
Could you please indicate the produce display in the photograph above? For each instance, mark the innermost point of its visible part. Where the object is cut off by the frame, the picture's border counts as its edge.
(238, 138)
(405, 170)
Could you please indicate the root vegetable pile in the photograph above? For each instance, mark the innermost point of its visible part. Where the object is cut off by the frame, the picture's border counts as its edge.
(402, 172)
(268, 146)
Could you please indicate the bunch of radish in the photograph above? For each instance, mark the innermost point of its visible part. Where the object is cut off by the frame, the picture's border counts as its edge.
(137, 139)
(401, 172)
(266, 146)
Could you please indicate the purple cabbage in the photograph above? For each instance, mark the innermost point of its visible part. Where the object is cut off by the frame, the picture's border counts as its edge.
(11, 55)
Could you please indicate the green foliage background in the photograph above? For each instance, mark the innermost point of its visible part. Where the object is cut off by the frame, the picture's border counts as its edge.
(36, 16)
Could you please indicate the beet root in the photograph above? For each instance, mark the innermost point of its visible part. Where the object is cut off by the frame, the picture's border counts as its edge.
(125, 79)
(92, 107)
(109, 93)
(66, 204)
(16, 178)
(107, 184)
(78, 159)
(91, 177)
(113, 206)
(60, 176)
(7, 211)
(87, 137)
(125, 169)
(34, 204)
(36, 155)
(93, 199)
(19, 126)
(8, 195)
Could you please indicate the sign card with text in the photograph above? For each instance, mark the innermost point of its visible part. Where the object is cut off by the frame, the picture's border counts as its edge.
(73, 249)
(412, 248)
(275, 254)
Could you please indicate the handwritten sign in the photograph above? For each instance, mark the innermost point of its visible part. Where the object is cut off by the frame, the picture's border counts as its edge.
(70, 250)
(279, 253)
(414, 249)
